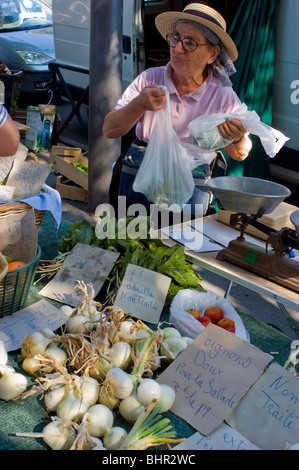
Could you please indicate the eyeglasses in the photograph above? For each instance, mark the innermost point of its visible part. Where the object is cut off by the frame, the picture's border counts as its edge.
(188, 44)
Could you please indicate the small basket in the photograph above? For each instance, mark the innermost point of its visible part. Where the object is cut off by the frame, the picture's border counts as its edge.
(18, 207)
(15, 286)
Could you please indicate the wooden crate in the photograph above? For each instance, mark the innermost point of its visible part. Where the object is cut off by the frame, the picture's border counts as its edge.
(62, 158)
(69, 190)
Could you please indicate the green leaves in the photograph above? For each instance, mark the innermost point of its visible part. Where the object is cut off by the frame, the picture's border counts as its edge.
(149, 253)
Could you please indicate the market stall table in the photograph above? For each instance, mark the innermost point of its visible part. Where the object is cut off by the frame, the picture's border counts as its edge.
(31, 416)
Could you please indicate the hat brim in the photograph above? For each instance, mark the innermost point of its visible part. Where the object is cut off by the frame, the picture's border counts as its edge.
(166, 23)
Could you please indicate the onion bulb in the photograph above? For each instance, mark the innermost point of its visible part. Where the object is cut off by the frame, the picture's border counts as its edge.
(54, 397)
(89, 390)
(148, 391)
(78, 324)
(114, 437)
(35, 343)
(12, 384)
(58, 435)
(120, 353)
(119, 383)
(98, 419)
(71, 407)
(167, 398)
(130, 408)
(172, 347)
(170, 332)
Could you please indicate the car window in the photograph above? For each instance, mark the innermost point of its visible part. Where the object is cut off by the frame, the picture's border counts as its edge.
(24, 14)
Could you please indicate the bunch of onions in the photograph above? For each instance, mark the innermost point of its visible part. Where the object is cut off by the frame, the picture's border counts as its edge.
(83, 318)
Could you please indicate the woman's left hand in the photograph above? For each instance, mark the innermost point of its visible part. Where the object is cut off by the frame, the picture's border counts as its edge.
(232, 130)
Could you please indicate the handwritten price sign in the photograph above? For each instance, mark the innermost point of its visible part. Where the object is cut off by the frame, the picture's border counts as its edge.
(211, 376)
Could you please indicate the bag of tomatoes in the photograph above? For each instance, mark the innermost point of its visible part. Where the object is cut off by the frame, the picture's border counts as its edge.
(191, 311)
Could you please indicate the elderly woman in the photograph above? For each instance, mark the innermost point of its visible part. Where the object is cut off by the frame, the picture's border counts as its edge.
(197, 78)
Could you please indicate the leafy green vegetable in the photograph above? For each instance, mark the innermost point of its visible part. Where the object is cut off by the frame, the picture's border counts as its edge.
(81, 166)
(147, 252)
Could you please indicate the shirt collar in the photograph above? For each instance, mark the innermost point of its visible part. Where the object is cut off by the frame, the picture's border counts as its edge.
(196, 94)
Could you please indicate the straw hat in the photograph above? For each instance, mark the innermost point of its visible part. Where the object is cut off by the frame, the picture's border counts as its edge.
(203, 14)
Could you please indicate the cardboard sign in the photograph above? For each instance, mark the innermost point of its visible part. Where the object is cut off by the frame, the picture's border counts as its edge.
(5, 166)
(28, 178)
(85, 263)
(6, 194)
(224, 438)
(143, 293)
(18, 236)
(269, 414)
(14, 328)
(211, 376)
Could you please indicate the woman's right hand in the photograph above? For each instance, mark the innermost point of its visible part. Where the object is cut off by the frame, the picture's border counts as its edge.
(118, 122)
(151, 98)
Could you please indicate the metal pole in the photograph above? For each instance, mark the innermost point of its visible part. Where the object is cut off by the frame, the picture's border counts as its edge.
(105, 87)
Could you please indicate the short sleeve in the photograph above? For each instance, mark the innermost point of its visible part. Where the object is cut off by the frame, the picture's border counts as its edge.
(3, 115)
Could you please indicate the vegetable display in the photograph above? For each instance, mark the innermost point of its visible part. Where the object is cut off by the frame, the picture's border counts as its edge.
(103, 370)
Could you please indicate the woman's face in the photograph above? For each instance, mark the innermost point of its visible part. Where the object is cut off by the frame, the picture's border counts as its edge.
(192, 64)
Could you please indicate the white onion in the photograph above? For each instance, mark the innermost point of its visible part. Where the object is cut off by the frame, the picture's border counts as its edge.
(148, 391)
(31, 365)
(114, 437)
(54, 397)
(48, 333)
(12, 384)
(120, 353)
(170, 332)
(90, 389)
(34, 344)
(56, 352)
(97, 419)
(58, 436)
(71, 408)
(167, 398)
(78, 324)
(172, 347)
(130, 408)
(67, 310)
(126, 331)
(119, 382)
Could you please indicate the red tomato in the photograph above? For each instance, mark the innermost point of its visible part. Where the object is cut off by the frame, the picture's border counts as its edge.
(15, 265)
(226, 323)
(205, 320)
(215, 313)
(194, 313)
(232, 329)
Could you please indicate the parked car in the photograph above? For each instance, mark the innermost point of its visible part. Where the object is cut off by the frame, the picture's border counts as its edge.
(27, 42)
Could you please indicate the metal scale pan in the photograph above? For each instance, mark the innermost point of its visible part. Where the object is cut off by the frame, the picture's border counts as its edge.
(249, 199)
(247, 195)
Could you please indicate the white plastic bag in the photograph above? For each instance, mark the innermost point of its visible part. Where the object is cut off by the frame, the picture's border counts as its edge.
(165, 174)
(187, 299)
(205, 133)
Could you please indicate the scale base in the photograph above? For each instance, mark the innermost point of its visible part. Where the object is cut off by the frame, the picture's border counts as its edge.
(278, 269)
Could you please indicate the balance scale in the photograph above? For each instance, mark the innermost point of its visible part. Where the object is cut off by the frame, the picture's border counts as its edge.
(249, 199)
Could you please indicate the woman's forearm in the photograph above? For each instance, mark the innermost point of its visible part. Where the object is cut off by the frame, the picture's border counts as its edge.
(239, 151)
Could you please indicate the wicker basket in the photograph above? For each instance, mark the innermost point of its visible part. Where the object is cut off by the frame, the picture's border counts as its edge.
(3, 266)
(15, 286)
(19, 207)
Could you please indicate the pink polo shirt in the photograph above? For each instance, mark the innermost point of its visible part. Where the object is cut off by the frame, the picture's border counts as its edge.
(210, 98)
